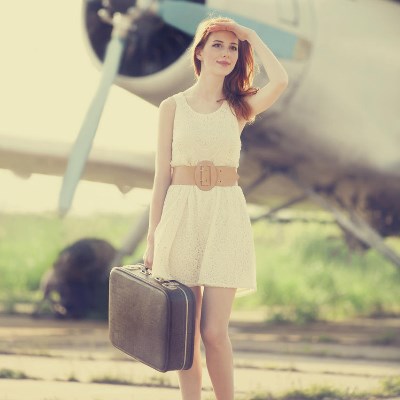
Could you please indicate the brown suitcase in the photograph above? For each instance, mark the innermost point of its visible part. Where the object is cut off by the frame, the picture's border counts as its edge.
(151, 319)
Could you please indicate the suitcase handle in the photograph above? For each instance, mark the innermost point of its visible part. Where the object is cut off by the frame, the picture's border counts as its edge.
(147, 271)
(143, 269)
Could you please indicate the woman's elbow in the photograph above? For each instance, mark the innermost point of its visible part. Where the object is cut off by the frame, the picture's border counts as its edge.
(284, 83)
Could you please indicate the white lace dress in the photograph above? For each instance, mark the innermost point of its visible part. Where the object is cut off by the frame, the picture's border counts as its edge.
(205, 237)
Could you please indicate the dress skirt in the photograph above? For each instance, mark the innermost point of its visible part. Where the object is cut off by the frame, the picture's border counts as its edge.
(206, 238)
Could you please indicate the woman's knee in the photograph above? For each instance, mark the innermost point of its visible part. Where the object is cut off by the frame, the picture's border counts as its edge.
(213, 335)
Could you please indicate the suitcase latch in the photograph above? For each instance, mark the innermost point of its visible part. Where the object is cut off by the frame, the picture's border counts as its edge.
(170, 285)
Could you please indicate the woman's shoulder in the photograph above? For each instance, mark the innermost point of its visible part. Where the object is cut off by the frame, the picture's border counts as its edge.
(171, 101)
(168, 104)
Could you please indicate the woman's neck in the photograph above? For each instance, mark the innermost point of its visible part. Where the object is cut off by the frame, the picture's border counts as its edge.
(209, 88)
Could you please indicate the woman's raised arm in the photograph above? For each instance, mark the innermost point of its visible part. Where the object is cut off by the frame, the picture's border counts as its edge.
(278, 77)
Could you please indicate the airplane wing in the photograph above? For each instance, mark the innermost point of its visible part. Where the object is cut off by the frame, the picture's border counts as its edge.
(126, 170)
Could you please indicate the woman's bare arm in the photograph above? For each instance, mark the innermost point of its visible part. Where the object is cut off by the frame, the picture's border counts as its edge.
(162, 176)
(278, 77)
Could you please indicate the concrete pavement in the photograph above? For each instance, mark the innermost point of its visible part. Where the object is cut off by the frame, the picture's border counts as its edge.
(66, 357)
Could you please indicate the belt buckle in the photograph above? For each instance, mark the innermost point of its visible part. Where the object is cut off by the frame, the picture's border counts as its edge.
(205, 175)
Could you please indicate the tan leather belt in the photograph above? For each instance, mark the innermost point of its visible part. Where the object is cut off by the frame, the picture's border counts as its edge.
(205, 175)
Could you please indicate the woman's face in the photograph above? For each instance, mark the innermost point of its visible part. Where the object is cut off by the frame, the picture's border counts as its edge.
(220, 53)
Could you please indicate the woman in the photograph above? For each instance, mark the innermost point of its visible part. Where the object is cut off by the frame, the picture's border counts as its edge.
(199, 230)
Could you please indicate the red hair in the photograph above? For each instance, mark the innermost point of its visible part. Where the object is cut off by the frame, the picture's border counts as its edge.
(238, 83)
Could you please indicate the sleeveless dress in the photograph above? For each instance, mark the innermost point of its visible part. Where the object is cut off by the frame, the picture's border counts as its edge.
(205, 237)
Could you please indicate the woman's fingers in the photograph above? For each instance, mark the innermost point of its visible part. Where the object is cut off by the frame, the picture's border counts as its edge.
(240, 31)
(222, 26)
(148, 257)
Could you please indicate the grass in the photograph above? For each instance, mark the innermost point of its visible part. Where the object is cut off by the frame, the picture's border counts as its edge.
(306, 273)
(72, 378)
(30, 243)
(386, 339)
(154, 381)
(389, 387)
(112, 380)
(304, 270)
(7, 373)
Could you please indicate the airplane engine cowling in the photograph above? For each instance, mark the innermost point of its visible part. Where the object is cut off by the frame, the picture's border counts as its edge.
(153, 63)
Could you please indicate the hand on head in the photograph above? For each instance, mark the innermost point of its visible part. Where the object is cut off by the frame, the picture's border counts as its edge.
(241, 32)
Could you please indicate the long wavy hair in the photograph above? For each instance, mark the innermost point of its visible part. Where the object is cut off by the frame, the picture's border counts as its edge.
(238, 83)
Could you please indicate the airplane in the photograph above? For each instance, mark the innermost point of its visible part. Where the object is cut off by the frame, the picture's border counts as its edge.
(332, 140)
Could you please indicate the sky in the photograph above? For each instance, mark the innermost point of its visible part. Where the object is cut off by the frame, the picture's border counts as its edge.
(47, 80)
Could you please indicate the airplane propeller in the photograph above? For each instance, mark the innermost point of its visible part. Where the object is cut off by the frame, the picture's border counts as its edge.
(122, 23)
(182, 15)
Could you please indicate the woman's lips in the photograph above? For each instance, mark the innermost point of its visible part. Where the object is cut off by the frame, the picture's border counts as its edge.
(223, 63)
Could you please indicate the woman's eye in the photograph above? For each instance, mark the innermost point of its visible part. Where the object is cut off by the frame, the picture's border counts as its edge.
(216, 44)
(234, 48)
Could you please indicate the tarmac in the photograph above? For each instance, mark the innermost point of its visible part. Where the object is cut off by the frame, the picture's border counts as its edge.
(66, 359)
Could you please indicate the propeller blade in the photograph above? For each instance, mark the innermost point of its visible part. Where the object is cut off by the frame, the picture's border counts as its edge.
(83, 143)
(186, 16)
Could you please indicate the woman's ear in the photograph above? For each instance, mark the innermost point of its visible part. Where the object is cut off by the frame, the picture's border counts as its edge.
(199, 55)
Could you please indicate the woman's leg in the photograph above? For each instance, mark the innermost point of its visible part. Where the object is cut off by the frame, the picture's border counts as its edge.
(216, 310)
(190, 379)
